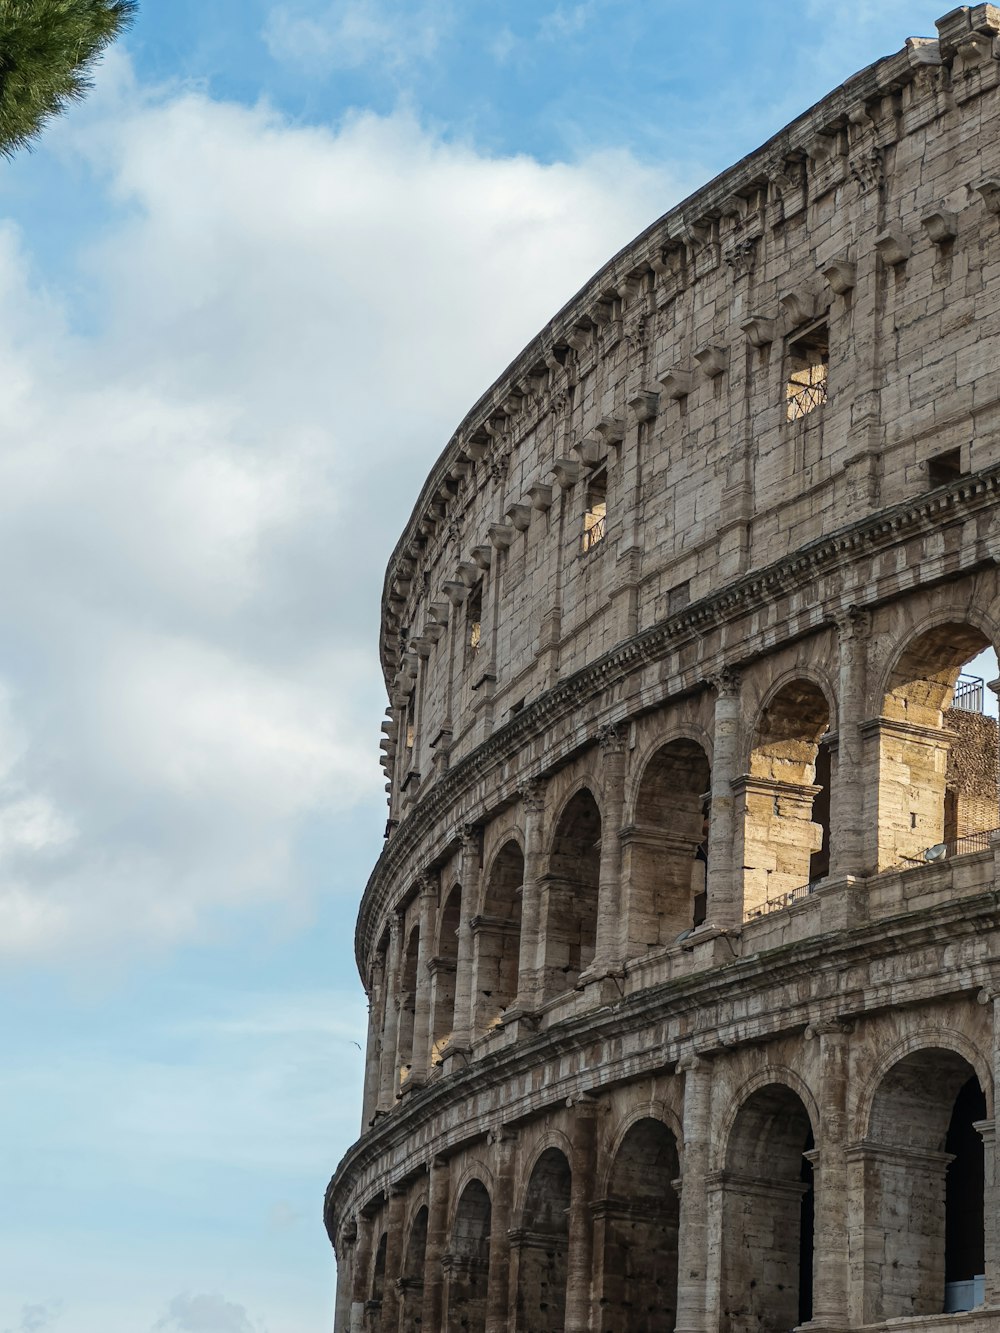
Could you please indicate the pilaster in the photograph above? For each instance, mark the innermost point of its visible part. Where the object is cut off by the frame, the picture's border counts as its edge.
(724, 882)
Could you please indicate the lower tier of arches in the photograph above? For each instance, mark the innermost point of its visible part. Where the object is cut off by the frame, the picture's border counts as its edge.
(836, 1178)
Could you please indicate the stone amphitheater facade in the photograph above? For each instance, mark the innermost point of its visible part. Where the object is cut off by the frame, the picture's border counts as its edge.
(683, 950)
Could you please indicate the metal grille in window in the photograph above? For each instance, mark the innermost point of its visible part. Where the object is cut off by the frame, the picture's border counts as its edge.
(807, 390)
(594, 526)
(808, 373)
(595, 516)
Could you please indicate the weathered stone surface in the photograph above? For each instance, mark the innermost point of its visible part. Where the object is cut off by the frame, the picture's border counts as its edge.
(683, 951)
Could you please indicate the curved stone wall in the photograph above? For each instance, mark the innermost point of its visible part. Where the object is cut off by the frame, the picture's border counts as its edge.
(681, 951)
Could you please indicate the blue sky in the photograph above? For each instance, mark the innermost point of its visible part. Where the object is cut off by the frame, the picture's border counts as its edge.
(248, 289)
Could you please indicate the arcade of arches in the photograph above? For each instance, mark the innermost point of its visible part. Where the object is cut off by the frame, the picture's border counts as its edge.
(532, 909)
(829, 1160)
(618, 1221)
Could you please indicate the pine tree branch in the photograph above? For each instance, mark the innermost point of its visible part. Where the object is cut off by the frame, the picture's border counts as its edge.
(48, 49)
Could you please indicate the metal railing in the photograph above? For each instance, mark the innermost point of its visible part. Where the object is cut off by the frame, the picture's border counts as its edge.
(780, 902)
(969, 694)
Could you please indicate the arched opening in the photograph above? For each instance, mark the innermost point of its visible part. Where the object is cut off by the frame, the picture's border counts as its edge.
(636, 1231)
(665, 849)
(373, 1310)
(767, 1214)
(407, 1003)
(467, 1263)
(412, 1282)
(786, 837)
(924, 1189)
(540, 1246)
(497, 934)
(443, 972)
(569, 894)
(937, 779)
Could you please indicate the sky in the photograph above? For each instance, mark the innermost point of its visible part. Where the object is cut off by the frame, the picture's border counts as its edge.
(248, 289)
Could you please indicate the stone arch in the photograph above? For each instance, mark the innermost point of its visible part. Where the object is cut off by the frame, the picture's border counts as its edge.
(636, 1229)
(923, 1165)
(467, 1261)
(653, 1109)
(767, 1210)
(539, 1246)
(665, 846)
(497, 937)
(641, 756)
(785, 795)
(407, 1002)
(412, 1280)
(763, 1078)
(970, 616)
(569, 892)
(444, 969)
(548, 1138)
(805, 672)
(932, 791)
(929, 1037)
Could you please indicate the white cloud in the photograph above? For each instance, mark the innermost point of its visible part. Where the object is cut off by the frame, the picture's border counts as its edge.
(205, 1314)
(352, 33)
(35, 1318)
(198, 491)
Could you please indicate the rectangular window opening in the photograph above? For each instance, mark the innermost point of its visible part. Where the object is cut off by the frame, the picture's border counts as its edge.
(595, 516)
(944, 468)
(474, 617)
(807, 384)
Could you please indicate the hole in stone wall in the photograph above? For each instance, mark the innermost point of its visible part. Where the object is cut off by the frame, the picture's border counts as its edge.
(944, 468)
(807, 385)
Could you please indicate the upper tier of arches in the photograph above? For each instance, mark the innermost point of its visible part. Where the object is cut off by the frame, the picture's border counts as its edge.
(719, 396)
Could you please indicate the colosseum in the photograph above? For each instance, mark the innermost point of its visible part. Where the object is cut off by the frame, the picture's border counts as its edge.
(683, 949)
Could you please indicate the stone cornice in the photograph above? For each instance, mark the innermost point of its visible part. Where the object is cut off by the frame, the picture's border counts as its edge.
(813, 138)
(740, 598)
(705, 993)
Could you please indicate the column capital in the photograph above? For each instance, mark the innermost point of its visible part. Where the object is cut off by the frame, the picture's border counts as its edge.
(502, 1136)
(428, 883)
(827, 1027)
(395, 925)
(584, 1103)
(853, 622)
(694, 1062)
(532, 795)
(726, 682)
(610, 739)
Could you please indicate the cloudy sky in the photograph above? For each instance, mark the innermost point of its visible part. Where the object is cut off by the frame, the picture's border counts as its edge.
(248, 289)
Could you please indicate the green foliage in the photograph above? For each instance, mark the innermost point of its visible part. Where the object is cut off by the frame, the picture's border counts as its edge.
(47, 51)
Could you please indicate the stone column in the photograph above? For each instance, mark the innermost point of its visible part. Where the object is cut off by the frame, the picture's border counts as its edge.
(725, 880)
(359, 1277)
(437, 1244)
(580, 1259)
(420, 1065)
(469, 873)
(533, 803)
(851, 811)
(373, 1050)
(830, 1245)
(692, 1256)
(498, 1285)
(346, 1256)
(390, 1021)
(607, 951)
(987, 1129)
(393, 1259)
